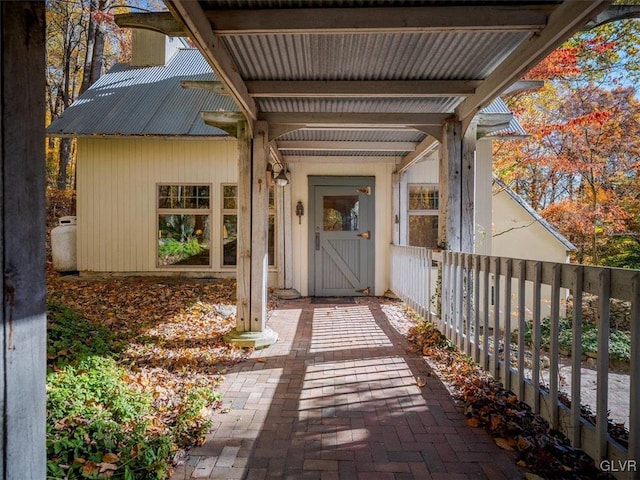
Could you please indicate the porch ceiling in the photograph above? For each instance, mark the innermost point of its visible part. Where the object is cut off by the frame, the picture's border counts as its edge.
(355, 80)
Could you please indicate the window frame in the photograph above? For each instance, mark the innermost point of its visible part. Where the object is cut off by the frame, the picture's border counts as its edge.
(234, 211)
(183, 211)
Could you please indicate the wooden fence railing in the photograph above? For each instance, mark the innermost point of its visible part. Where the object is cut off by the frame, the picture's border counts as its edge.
(477, 301)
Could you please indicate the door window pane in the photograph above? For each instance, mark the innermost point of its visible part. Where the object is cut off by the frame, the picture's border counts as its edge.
(340, 212)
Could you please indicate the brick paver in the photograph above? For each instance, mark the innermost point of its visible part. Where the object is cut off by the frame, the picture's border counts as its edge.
(336, 398)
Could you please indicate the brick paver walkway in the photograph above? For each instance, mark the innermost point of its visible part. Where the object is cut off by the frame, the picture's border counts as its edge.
(336, 398)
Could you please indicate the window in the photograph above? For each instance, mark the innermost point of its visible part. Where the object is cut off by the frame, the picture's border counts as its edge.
(230, 225)
(184, 219)
(423, 215)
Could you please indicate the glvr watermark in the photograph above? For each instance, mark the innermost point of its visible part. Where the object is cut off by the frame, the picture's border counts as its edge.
(618, 466)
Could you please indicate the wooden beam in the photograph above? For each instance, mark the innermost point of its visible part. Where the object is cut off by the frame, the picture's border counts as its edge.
(355, 119)
(190, 13)
(347, 88)
(613, 14)
(342, 159)
(227, 121)
(347, 146)
(376, 20)
(23, 336)
(209, 85)
(522, 86)
(425, 147)
(565, 20)
(366, 88)
(161, 22)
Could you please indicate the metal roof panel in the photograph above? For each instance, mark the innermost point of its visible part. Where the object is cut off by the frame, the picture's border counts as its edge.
(146, 101)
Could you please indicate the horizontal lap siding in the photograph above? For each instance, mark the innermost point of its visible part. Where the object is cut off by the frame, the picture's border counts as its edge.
(116, 182)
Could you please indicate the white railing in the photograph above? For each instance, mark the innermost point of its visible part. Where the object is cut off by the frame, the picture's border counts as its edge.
(483, 299)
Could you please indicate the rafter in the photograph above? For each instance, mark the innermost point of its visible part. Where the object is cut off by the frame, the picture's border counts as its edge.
(425, 147)
(161, 22)
(216, 53)
(347, 88)
(613, 14)
(566, 19)
(318, 145)
(376, 20)
(351, 159)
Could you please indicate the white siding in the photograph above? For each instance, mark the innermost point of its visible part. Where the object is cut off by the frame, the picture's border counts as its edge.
(517, 234)
(383, 208)
(117, 188)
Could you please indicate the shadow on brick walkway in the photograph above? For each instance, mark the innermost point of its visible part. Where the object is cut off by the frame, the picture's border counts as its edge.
(336, 397)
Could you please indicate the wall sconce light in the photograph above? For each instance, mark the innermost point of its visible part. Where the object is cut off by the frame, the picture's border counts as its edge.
(281, 179)
(299, 211)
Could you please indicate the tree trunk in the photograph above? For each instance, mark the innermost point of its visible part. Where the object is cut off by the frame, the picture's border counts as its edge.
(63, 162)
(91, 39)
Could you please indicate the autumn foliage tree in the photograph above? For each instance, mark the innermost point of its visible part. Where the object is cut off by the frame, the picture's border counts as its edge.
(82, 41)
(579, 167)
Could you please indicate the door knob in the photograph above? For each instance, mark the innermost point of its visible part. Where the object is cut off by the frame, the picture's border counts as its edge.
(366, 235)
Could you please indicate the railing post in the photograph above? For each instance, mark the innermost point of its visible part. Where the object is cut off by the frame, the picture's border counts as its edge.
(522, 276)
(429, 284)
(634, 371)
(485, 314)
(602, 364)
(506, 372)
(535, 367)
(575, 431)
(476, 308)
(459, 299)
(553, 344)
(468, 280)
(495, 365)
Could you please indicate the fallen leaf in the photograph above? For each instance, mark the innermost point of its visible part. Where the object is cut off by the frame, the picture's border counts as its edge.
(110, 458)
(89, 468)
(504, 444)
(473, 422)
(420, 382)
(261, 360)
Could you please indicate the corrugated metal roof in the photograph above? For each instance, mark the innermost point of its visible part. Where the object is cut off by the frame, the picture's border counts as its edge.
(336, 135)
(240, 4)
(497, 106)
(376, 56)
(146, 101)
(346, 153)
(513, 131)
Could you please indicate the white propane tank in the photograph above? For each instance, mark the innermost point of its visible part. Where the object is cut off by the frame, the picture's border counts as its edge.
(63, 245)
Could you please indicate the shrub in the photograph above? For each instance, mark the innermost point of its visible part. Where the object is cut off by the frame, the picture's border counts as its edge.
(619, 340)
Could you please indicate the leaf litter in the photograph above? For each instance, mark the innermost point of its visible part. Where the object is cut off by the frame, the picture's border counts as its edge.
(544, 452)
(169, 333)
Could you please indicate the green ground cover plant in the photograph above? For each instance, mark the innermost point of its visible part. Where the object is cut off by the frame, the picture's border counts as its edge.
(619, 340)
(101, 420)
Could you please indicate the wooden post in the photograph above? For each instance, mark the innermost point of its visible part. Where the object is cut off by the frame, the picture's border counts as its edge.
(283, 234)
(252, 261)
(259, 226)
(456, 224)
(22, 238)
(243, 263)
